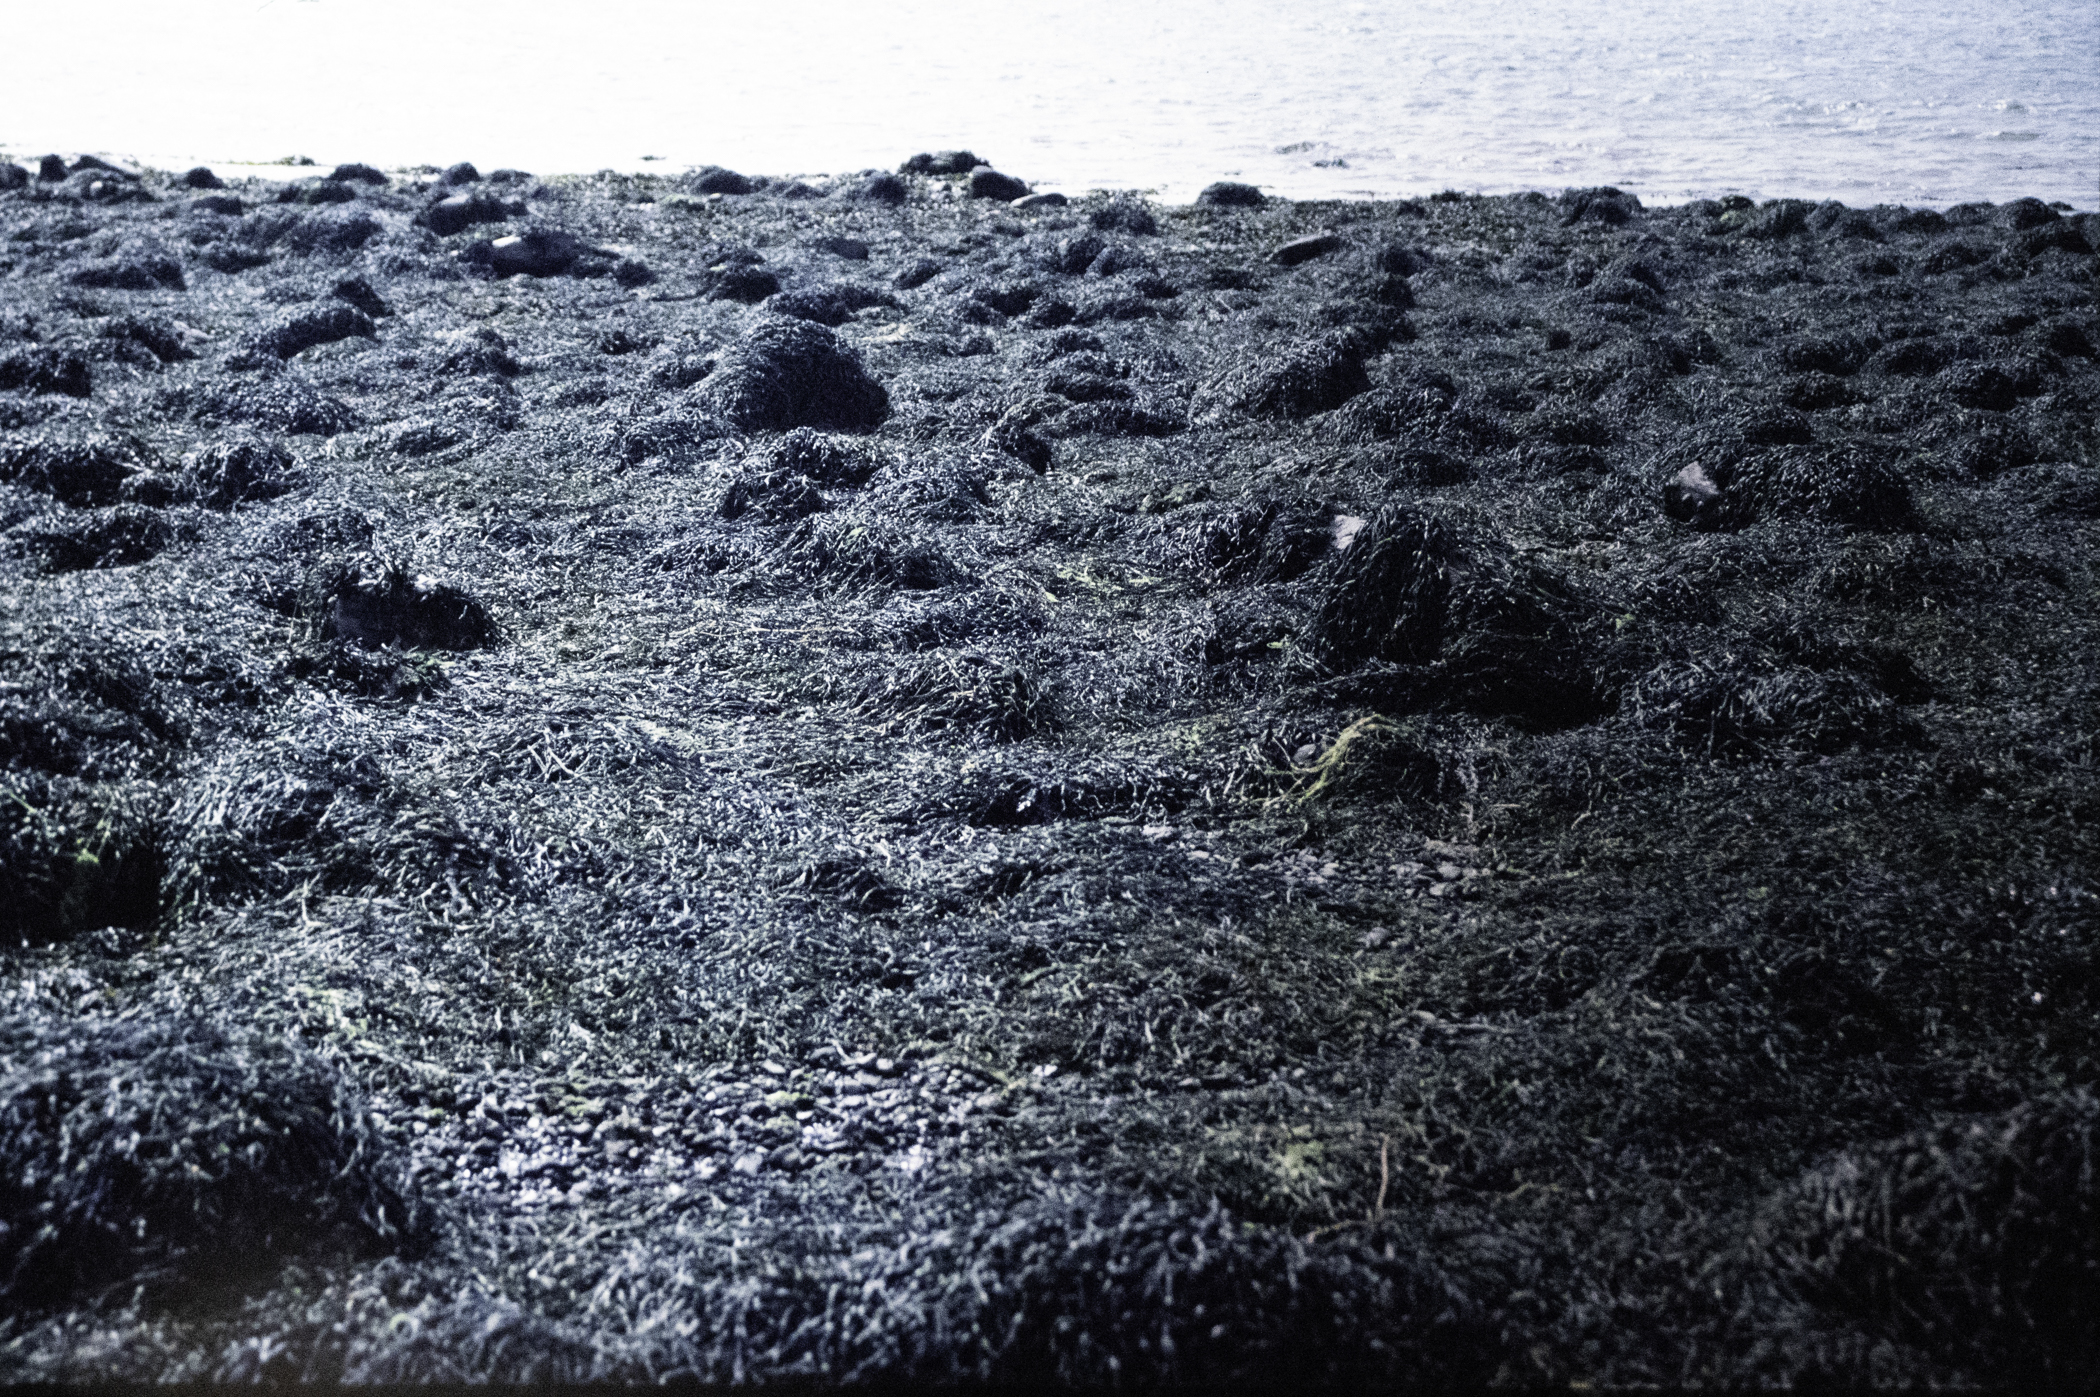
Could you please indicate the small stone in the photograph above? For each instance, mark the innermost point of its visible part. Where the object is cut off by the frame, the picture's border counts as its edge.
(13, 176)
(988, 183)
(1041, 201)
(1305, 249)
(852, 249)
(51, 169)
(1229, 194)
(462, 173)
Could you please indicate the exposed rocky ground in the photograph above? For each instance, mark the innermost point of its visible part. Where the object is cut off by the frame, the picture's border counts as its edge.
(615, 777)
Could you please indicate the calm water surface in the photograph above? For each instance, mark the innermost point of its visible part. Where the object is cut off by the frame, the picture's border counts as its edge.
(1919, 102)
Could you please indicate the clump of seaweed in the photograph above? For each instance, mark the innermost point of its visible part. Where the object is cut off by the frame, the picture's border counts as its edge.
(169, 1152)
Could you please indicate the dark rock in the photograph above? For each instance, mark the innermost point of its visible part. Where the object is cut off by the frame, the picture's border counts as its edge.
(42, 370)
(358, 292)
(462, 173)
(1311, 376)
(535, 252)
(300, 330)
(1229, 194)
(882, 188)
(1041, 201)
(742, 282)
(361, 174)
(788, 373)
(1305, 249)
(1397, 259)
(12, 176)
(1072, 256)
(317, 193)
(1605, 205)
(713, 179)
(239, 467)
(378, 604)
(1125, 215)
(91, 164)
(201, 177)
(508, 176)
(479, 351)
(852, 249)
(827, 305)
(51, 169)
(917, 274)
(137, 271)
(77, 540)
(2063, 236)
(631, 273)
(459, 212)
(225, 205)
(2023, 214)
(988, 183)
(944, 162)
(329, 232)
(1014, 439)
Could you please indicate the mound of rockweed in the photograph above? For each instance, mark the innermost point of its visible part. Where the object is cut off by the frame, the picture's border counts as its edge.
(172, 1151)
(786, 373)
(1980, 1237)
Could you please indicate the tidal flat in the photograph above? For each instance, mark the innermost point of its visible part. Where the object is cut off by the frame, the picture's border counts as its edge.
(734, 779)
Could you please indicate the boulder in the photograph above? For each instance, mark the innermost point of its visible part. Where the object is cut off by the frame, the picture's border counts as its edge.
(1229, 194)
(462, 173)
(201, 177)
(1306, 249)
(713, 179)
(357, 173)
(988, 183)
(459, 212)
(940, 162)
(12, 176)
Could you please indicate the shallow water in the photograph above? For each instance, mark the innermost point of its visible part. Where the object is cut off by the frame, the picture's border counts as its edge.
(1869, 101)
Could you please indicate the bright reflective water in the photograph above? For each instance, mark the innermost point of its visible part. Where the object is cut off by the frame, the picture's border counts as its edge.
(1906, 101)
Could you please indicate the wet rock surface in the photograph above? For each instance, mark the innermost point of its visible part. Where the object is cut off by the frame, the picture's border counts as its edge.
(925, 791)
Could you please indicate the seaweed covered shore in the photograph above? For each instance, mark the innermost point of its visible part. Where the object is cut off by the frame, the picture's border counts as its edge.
(891, 780)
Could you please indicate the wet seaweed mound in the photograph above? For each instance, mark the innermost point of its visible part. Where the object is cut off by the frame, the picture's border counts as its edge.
(787, 373)
(1980, 1237)
(170, 1152)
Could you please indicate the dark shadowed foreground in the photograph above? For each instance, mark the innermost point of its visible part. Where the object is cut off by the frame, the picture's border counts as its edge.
(624, 778)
